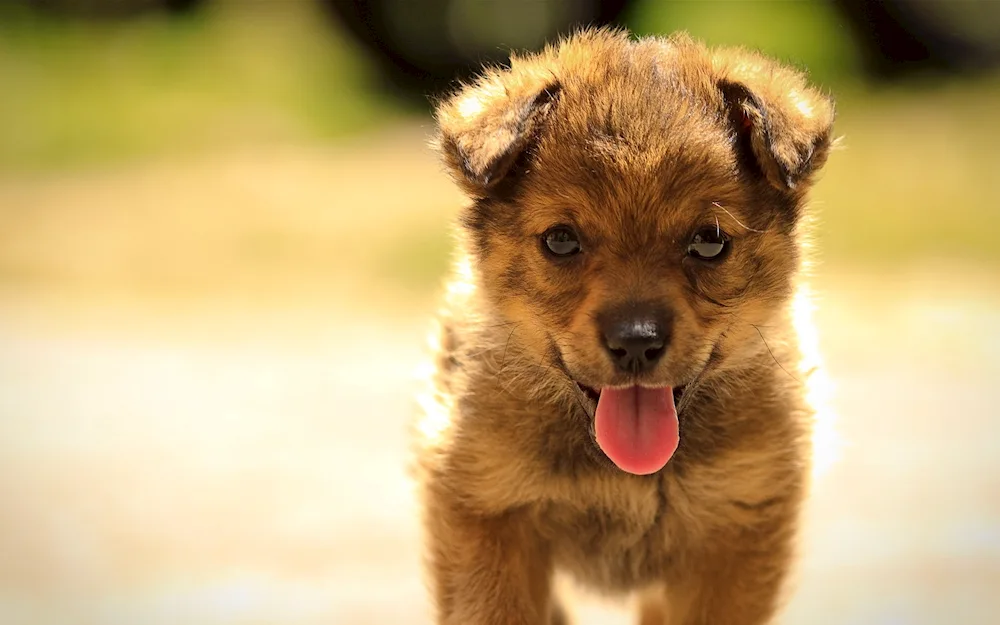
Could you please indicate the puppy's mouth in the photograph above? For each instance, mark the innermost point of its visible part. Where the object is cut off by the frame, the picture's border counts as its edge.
(594, 395)
(636, 426)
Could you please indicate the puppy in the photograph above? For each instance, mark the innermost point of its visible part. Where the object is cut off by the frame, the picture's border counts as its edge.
(615, 392)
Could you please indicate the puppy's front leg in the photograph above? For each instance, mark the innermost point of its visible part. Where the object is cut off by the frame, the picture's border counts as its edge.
(487, 570)
(737, 584)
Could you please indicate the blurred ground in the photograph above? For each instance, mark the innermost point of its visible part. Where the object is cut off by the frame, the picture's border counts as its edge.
(216, 270)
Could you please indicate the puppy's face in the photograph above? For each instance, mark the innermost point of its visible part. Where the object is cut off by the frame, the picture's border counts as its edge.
(636, 203)
(638, 273)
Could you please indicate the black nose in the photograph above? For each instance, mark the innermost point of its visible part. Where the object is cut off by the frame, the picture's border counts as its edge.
(635, 342)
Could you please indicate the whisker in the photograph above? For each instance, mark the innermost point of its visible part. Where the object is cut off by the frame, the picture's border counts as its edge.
(500, 325)
(689, 393)
(761, 334)
(716, 204)
(691, 390)
(503, 359)
(518, 373)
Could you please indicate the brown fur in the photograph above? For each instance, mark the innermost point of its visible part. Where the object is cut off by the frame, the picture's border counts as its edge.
(637, 144)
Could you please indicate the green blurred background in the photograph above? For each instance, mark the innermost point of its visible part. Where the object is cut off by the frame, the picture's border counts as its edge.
(223, 233)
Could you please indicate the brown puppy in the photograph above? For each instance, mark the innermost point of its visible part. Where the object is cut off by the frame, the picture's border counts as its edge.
(605, 402)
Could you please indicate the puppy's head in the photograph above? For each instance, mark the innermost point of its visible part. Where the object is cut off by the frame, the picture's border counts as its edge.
(635, 213)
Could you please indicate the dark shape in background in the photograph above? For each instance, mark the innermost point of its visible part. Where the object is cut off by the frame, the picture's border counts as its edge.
(113, 8)
(424, 47)
(900, 38)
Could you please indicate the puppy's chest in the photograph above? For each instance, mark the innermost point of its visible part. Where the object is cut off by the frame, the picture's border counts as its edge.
(614, 547)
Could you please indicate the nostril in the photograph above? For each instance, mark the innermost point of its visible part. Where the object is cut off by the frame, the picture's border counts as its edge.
(653, 353)
(619, 352)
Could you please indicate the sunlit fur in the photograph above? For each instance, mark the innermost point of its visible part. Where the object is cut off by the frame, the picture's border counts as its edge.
(636, 145)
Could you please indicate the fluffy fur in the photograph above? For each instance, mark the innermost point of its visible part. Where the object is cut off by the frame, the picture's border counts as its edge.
(637, 144)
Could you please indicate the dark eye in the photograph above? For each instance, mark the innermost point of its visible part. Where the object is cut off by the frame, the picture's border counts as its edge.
(561, 241)
(709, 243)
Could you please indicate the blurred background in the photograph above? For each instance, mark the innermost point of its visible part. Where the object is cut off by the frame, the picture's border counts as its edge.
(223, 235)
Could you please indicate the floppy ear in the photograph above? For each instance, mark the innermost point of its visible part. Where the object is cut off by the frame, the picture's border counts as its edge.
(485, 127)
(781, 125)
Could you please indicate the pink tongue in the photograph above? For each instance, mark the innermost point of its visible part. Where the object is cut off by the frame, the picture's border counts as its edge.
(637, 427)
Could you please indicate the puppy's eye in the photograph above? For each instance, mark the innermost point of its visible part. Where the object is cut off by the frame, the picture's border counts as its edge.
(561, 241)
(709, 243)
